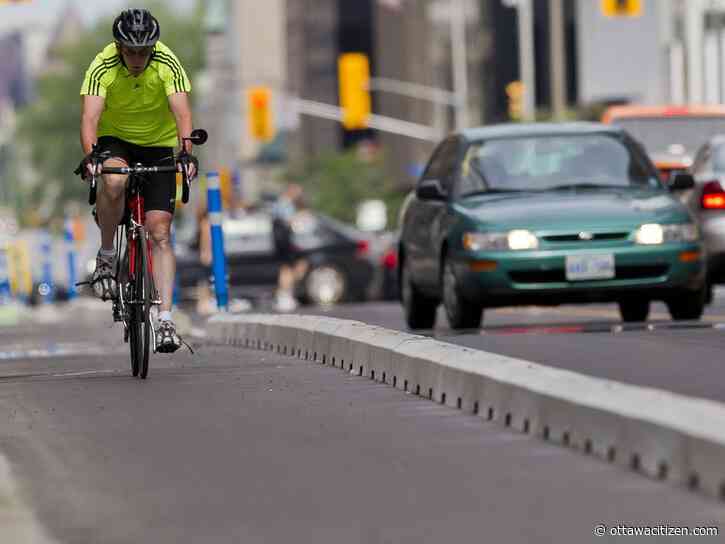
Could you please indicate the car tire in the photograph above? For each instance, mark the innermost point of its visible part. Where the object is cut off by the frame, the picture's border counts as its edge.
(687, 305)
(709, 293)
(634, 309)
(461, 313)
(420, 311)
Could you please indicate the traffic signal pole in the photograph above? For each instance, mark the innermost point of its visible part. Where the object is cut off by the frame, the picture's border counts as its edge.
(526, 57)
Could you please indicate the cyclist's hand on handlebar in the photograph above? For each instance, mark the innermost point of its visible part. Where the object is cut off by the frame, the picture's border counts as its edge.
(188, 164)
(90, 165)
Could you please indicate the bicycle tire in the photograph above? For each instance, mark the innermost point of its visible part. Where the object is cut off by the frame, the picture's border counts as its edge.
(132, 322)
(133, 340)
(144, 285)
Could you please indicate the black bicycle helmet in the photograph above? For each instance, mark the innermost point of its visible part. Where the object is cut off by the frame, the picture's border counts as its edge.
(136, 28)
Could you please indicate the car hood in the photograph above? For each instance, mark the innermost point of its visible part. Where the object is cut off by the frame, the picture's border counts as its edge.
(576, 208)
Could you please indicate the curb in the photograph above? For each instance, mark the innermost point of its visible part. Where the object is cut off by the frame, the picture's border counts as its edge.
(653, 432)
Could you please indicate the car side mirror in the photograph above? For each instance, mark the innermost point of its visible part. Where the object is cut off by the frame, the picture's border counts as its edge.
(431, 189)
(681, 182)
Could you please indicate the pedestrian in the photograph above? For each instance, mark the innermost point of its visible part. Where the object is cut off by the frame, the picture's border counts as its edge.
(283, 212)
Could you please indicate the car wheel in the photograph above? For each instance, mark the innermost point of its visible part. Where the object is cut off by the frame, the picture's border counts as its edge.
(634, 309)
(325, 285)
(709, 293)
(687, 305)
(420, 311)
(462, 314)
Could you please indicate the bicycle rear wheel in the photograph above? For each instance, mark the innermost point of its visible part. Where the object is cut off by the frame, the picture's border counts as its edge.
(141, 307)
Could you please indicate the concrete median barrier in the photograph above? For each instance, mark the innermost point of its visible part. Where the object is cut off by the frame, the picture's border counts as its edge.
(653, 432)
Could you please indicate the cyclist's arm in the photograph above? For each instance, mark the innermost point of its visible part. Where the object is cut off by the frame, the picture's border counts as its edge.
(179, 104)
(91, 110)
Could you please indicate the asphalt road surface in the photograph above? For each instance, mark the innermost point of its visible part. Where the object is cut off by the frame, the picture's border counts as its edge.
(232, 445)
(685, 357)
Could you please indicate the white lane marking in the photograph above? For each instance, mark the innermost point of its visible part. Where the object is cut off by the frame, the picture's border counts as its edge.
(17, 521)
(50, 350)
(85, 373)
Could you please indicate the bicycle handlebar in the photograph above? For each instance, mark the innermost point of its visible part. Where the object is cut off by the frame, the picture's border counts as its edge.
(137, 169)
(197, 137)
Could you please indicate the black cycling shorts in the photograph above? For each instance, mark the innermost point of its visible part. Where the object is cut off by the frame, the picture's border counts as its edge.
(159, 193)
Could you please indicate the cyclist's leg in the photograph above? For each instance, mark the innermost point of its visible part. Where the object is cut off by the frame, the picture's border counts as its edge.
(109, 212)
(160, 202)
(110, 203)
(158, 225)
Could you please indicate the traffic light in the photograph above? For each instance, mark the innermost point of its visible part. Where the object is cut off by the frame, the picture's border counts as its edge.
(621, 8)
(515, 94)
(353, 74)
(261, 123)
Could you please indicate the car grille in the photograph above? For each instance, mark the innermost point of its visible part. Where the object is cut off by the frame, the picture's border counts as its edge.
(558, 275)
(596, 236)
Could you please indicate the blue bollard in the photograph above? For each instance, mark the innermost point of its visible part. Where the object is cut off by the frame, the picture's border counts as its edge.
(4, 277)
(219, 267)
(71, 248)
(175, 294)
(46, 286)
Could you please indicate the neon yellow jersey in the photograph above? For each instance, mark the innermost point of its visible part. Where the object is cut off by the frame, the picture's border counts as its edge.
(137, 108)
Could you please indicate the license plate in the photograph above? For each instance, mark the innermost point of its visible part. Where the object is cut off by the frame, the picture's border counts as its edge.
(589, 267)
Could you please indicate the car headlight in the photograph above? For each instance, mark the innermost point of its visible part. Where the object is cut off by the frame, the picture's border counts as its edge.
(514, 239)
(654, 233)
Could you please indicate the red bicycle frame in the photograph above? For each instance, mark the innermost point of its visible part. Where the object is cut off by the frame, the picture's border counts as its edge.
(138, 216)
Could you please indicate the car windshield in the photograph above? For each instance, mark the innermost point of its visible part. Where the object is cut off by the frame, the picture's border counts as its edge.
(543, 163)
(673, 135)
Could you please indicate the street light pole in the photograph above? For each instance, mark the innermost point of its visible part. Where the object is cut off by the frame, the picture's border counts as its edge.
(526, 58)
(458, 52)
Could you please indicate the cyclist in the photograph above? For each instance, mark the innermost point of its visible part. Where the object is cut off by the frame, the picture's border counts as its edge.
(135, 106)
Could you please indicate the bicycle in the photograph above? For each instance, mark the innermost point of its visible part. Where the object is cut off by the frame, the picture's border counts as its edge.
(135, 291)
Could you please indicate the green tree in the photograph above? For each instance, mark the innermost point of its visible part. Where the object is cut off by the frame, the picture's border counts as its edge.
(336, 183)
(49, 127)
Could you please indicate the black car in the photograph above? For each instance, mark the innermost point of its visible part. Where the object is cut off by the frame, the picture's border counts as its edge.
(337, 266)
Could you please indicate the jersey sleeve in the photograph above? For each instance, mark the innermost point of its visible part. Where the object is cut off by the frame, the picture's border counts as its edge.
(171, 72)
(99, 76)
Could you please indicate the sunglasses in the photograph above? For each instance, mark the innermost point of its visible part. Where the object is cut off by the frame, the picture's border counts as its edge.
(137, 51)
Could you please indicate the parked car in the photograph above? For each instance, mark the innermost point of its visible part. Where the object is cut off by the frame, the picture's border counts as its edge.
(670, 134)
(338, 268)
(546, 214)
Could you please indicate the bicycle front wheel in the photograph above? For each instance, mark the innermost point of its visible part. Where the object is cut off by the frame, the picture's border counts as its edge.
(133, 323)
(143, 288)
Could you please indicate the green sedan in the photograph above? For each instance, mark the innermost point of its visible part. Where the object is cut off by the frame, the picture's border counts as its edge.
(546, 214)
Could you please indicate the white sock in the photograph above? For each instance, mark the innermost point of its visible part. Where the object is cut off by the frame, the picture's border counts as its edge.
(107, 252)
(165, 316)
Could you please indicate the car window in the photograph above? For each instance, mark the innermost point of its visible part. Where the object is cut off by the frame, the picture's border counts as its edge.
(248, 234)
(702, 160)
(534, 163)
(443, 163)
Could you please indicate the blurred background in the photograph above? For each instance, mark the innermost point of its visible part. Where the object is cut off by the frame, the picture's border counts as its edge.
(345, 97)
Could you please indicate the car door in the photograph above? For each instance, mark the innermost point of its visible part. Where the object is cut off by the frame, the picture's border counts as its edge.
(428, 219)
(250, 254)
